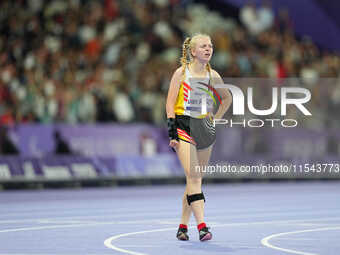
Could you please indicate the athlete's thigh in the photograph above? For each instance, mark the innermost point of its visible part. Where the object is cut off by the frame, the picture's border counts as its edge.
(204, 155)
(187, 155)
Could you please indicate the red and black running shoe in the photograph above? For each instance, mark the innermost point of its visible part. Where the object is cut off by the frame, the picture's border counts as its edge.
(182, 234)
(205, 234)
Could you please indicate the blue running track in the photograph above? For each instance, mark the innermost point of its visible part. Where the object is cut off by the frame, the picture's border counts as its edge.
(245, 219)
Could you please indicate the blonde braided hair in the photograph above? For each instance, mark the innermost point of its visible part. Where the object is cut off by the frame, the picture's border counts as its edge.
(184, 59)
(209, 70)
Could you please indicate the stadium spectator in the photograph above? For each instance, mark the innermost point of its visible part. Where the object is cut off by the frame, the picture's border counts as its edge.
(100, 61)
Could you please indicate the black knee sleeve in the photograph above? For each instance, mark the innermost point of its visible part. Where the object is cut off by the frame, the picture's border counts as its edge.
(195, 197)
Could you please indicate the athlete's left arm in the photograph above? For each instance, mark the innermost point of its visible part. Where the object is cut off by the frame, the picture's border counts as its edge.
(224, 94)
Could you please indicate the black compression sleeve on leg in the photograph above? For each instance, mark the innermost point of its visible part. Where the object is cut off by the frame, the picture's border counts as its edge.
(195, 197)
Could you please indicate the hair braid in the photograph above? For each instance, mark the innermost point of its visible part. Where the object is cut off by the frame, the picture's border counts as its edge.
(185, 48)
(210, 76)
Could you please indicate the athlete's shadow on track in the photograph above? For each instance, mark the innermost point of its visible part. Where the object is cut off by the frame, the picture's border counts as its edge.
(210, 247)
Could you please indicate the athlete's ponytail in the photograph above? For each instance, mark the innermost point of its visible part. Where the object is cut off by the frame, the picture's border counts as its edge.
(209, 70)
(185, 48)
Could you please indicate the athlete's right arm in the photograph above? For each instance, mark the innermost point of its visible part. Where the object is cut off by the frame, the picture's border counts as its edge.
(170, 107)
(173, 92)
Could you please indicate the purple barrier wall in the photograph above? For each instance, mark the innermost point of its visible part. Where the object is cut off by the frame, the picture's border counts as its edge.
(163, 166)
(124, 151)
(136, 140)
(289, 142)
(89, 140)
(78, 167)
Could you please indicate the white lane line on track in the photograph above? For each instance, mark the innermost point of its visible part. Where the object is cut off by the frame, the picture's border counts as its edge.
(140, 246)
(108, 241)
(53, 254)
(265, 241)
(83, 222)
(133, 213)
(45, 227)
(212, 217)
(155, 221)
(151, 231)
(296, 239)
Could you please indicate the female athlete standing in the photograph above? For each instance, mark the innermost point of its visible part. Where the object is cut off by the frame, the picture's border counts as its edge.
(189, 110)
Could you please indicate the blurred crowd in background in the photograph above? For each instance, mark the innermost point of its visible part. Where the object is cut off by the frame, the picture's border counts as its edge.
(75, 61)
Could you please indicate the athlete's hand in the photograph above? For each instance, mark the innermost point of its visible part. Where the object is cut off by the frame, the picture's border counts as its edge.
(211, 116)
(174, 144)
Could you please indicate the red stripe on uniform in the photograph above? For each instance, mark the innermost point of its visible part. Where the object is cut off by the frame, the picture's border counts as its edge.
(186, 85)
(181, 130)
(185, 135)
(183, 138)
(187, 139)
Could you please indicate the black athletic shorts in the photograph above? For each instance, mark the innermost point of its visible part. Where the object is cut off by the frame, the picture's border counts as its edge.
(199, 132)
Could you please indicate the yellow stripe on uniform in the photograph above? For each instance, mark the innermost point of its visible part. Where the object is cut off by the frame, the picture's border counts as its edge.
(184, 138)
(179, 105)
